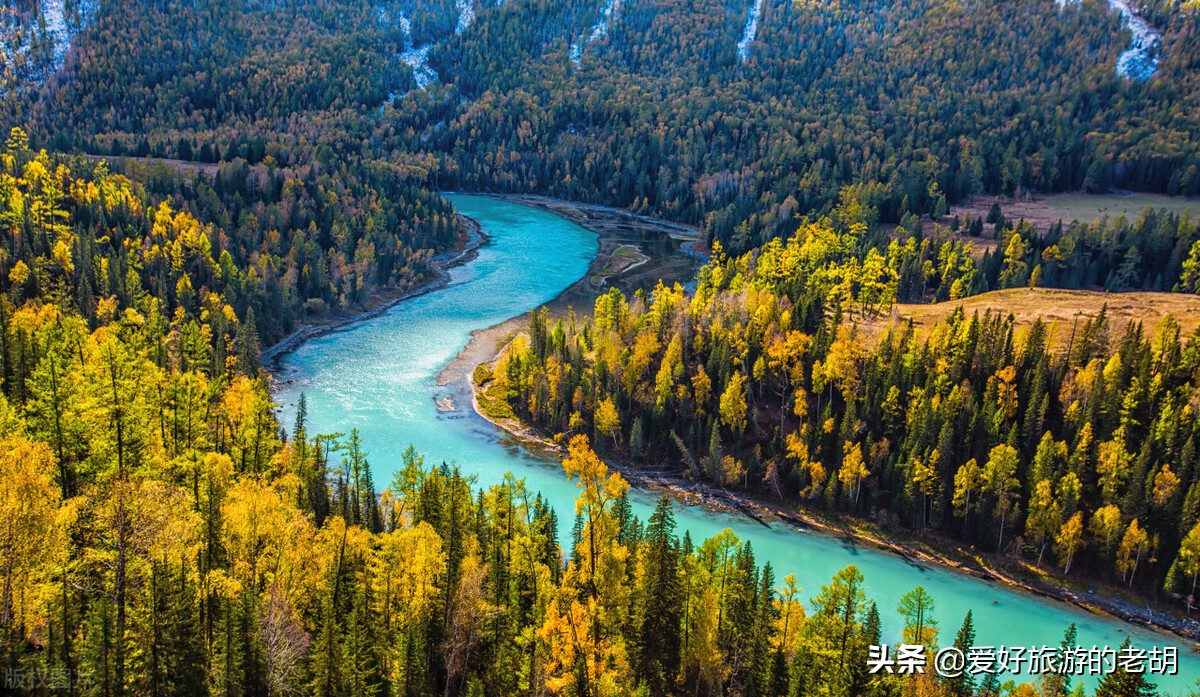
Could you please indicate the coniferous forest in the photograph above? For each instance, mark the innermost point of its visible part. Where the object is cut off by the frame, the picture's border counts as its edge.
(185, 184)
(924, 103)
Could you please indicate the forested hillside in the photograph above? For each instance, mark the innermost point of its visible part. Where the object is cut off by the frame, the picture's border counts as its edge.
(190, 553)
(222, 264)
(162, 537)
(185, 181)
(35, 38)
(922, 101)
(159, 538)
(649, 104)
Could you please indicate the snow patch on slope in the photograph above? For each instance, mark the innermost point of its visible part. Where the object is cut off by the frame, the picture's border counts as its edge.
(415, 57)
(54, 13)
(751, 30)
(599, 29)
(63, 29)
(418, 60)
(466, 14)
(11, 46)
(34, 46)
(1140, 60)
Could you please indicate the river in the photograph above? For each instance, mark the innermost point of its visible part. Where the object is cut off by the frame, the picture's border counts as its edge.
(380, 376)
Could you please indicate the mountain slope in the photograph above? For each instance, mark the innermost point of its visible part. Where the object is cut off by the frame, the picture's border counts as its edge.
(921, 100)
(669, 107)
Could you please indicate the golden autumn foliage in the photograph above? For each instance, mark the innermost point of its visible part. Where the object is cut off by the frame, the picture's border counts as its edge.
(193, 549)
(31, 532)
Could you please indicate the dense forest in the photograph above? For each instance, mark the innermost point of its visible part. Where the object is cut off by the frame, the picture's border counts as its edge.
(1074, 445)
(161, 536)
(161, 539)
(925, 102)
(164, 535)
(218, 265)
(190, 179)
(649, 106)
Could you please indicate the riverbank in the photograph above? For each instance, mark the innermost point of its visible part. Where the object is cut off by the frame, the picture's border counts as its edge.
(672, 251)
(668, 251)
(668, 481)
(487, 345)
(383, 301)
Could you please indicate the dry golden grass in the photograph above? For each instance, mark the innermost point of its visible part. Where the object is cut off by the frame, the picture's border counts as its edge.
(1044, 211)
(1059, 309)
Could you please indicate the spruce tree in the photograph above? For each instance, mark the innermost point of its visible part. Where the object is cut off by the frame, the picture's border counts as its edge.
(862, 681)
(1057, 684)
(1122, 683)
(248, 349)
(659, 636)
(963, 685)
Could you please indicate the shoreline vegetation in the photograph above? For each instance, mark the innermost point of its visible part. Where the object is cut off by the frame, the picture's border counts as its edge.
(930, 549)
(190, 191)
(616, 229)
(488, 345)
(381, 302)
(613, 225)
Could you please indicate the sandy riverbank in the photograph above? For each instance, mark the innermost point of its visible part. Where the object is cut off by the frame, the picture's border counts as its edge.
(673, 253)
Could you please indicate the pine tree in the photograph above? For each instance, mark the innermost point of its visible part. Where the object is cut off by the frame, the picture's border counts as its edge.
(963, 684)
(1122, 683)
(183, 643)
(317, 482)
(735, 635)
(659, 636)
(920, 627)
(1058, 684)
(863, 681)
(758, 678)
(248, 348)
(359, 642)
(716, 452)
(835, 630)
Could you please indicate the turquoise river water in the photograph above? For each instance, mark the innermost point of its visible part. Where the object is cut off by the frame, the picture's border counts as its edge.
(380, 376)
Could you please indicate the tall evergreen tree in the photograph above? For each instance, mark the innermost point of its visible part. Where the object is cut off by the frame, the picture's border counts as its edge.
(1124, 683)
(659, 638)
(963, 685)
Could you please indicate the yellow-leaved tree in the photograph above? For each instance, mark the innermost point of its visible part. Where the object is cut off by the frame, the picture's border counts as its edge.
(853, 470)
(585, 652)
(29, 535)
(409, 567)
